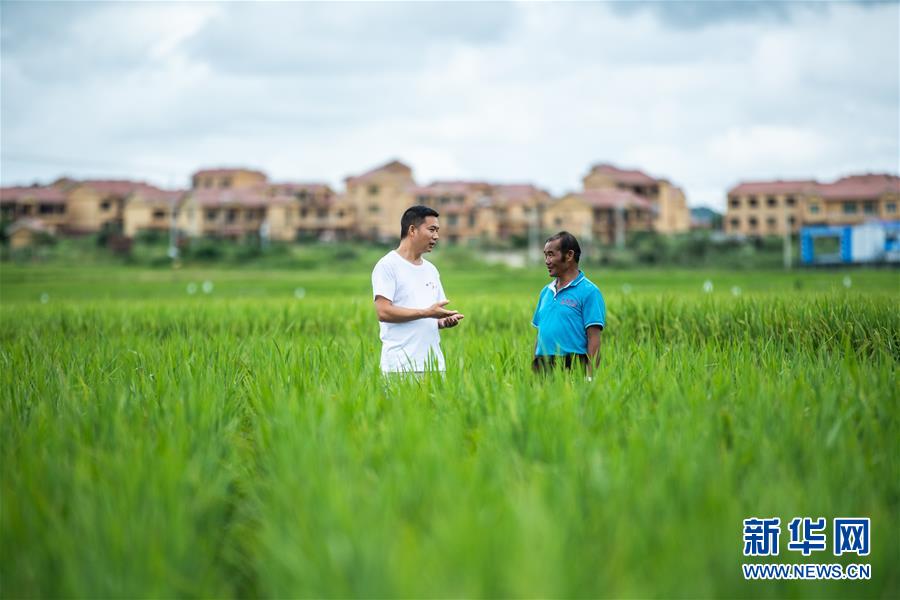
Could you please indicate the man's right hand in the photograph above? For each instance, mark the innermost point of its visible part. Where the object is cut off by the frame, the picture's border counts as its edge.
(437, 310)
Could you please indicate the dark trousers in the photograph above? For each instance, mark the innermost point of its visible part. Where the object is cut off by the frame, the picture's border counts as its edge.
(545, 364)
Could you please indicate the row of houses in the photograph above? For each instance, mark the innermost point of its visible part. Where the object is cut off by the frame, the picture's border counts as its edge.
(235, 203)
(612, 203)
(777, 207)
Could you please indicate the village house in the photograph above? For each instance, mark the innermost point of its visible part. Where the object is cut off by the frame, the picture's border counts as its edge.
(236, 203)
(470, 210)
(774, 207)
(670, 210)
(43, 204)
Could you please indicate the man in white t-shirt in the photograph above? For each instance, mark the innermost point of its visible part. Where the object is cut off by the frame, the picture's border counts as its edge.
(409, 298)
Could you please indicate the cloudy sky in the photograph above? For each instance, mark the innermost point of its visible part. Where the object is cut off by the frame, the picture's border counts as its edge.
(705, 94)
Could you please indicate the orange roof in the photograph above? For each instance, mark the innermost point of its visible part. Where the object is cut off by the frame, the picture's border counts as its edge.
(632, 176)
(393, 165)
(778, 186)
(46, 193)
(860, 187)
(216, 172)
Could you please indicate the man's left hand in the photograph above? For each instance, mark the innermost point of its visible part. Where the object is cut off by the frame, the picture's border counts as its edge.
(451, 321)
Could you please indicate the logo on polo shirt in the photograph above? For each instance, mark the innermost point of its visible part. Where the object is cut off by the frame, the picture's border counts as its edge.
(569, 302)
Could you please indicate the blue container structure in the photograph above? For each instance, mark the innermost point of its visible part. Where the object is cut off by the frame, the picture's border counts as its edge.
(873, 242)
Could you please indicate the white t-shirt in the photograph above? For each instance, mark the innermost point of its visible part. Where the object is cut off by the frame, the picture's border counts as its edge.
(414, 345)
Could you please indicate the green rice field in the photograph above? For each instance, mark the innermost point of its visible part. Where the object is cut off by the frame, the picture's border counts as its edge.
(227, 433)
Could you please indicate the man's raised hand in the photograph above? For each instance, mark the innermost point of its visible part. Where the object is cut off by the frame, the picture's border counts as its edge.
(437, 310)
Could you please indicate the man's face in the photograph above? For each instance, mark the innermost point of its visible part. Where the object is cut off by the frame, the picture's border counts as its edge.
(553, 258)
(425, 236)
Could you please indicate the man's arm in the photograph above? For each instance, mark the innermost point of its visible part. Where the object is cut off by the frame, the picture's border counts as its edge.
(388, 313)
(593, 348)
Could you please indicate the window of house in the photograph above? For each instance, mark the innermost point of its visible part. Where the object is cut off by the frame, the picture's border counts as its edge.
(26, 209)
(226, 182)
(444, 200)
(472, 219)
(790, 201)
(452, 220)
(374, 208)
(772, 201)
(105, 205)
(303, 213)
(558, 221)
(45, 209)
(159, 214)
(422, 199)
(814, 208)
(735, 223)
(849, 208)
(890, 207)
(322, 213)
(211, 215)
(340, 214)
(373, 190)
(60, 209)
(753, 203)
(734, 202)
(771, 222)
(752, 222)
(301, 195)
(869, 208)
(792, 220)
(231, 216)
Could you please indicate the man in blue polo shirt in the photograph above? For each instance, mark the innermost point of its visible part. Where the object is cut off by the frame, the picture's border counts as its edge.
(570, 313)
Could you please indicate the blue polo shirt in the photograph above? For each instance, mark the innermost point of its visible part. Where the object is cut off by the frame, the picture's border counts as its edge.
(562, 317)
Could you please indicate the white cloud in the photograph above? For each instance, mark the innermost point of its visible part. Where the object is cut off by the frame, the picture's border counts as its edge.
(511, 92)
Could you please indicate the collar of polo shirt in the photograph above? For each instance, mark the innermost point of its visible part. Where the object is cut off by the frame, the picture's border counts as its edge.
(578, 279)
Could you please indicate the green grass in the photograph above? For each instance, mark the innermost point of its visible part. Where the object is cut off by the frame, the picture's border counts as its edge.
(242, 442)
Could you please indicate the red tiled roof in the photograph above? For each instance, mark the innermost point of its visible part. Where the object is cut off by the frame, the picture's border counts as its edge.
(216, 172)
(47, 194)
(290, 187)
(858, 187)
(631, 176)
(445, 188)
(116, 187)
(612, 198)
(778, 186)
(516, 193)
(390, 166)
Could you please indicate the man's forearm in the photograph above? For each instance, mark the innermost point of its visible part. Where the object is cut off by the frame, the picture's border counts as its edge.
(593, 353)
(400, 314)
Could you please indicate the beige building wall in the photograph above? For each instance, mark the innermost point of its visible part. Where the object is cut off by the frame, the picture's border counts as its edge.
(673, 214)
(571, 213)
(143, 213)
(763, 214)
(851, 211)
(379, 199)
(227, 178)
(89, 210)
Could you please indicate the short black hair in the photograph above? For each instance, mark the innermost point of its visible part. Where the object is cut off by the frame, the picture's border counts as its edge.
(415, 216)
(567, 242)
